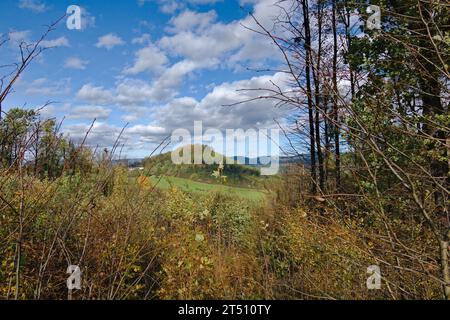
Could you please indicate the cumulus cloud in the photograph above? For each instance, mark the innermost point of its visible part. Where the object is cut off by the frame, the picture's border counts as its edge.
(143, 39)
(97, 95)
(170, 6)
(90, 113)
(75, 63)
(133, 113)
(33, 5)
(172, 78)
(128, 92)
(146, 130)
(214, 109)
(196, 36)
(102, 134)
(87, 19)
(149, 59)
(197, 42)
(109, 41)
(135, 92)
(49, 111)
(58, 42)
(44, 86)
(18, 36)
(191, 20)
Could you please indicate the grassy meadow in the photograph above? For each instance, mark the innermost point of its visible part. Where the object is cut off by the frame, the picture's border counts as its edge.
(168, 182)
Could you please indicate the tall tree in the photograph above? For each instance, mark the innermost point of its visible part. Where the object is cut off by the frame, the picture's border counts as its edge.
(308, 70)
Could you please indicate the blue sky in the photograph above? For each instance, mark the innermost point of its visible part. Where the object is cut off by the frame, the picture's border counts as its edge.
(156, 65)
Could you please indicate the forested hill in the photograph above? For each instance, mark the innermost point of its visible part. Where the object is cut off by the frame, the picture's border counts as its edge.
(231, 174)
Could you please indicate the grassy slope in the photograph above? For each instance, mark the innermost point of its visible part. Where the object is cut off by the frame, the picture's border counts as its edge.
(167, 182)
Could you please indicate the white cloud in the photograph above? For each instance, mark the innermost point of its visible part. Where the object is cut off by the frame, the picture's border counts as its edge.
(143, 39)
(48, 111)
(33, 5)
(18, 36)
(197, 47)
(204, 1)
(134, 92)
(97, 95)
(87, 19)
(204, 50)
(191, 20)
(128, 92)
(170, 6)
(44, 86)
(212, 109)
(135, 113)
(58, 42)
(102, 134)
(90, 113)
(149, 59)
(109, 41)
(75, 63)
(197, 37)
(201, 43)
(130, 118)
(146, 130)
(173, 76)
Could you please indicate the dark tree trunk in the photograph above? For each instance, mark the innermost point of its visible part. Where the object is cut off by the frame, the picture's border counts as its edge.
(337, 146)
(317, 96)
(309, 93)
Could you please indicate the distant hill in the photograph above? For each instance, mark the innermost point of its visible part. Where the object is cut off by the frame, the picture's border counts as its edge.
(250, 162)
(262, 161)
(130, 163)
(236, 174)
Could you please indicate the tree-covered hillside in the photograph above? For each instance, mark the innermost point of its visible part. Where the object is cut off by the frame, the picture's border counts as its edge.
(231, 174)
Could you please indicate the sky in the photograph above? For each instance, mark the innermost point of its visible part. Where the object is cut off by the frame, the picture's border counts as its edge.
(151, 66)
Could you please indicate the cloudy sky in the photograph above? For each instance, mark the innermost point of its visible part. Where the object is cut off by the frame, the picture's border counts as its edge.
(156, 65)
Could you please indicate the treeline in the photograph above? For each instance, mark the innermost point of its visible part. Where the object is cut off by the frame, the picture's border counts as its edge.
(37, 145)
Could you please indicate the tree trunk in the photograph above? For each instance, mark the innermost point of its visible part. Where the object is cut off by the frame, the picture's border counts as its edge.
(317, 95)
(335, 102)
(309, 93)
(348, 36)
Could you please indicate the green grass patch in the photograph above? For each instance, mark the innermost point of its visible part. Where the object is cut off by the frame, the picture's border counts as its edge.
(167, 182)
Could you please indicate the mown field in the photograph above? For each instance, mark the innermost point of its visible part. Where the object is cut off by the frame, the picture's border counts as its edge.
(167, 182)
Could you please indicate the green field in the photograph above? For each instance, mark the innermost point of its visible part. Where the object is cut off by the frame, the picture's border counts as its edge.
(187, 185)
